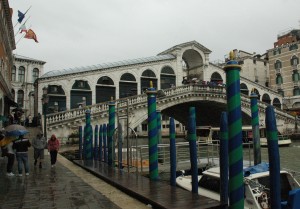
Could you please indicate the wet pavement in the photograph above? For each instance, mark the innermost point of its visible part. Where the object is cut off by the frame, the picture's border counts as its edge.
(62, 187)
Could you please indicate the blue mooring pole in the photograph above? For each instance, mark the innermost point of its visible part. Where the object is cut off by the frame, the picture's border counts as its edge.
(274, 159)
(101, 143)
(224, 160)
(80, 142)
(172, 152)
(96, 143)
(193, 148)
(255, 128)
(88, 136)
(104, 142)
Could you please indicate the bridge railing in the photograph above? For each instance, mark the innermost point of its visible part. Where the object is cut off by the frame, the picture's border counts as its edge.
(101, 109)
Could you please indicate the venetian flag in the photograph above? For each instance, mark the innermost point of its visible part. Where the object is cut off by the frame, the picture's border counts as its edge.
(31, 35)
(21, 16)
(23, 28)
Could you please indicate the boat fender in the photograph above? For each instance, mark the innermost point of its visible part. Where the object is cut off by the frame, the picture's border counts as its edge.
(263, 200)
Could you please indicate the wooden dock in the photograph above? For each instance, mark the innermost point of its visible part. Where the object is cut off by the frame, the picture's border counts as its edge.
(159, 194)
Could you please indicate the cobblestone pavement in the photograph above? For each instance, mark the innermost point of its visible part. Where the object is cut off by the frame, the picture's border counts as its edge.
(62, 187)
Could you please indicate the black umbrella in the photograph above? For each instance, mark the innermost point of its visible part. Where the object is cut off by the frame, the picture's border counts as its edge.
(18, 110)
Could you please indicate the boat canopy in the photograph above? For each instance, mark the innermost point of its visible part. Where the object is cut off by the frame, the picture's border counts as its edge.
(262, 167)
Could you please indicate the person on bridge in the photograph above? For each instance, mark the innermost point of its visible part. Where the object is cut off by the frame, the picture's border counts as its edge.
(21, 146)
(39, 144)
(53, 147)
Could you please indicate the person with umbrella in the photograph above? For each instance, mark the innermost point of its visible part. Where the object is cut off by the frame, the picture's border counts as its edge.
(21, 146)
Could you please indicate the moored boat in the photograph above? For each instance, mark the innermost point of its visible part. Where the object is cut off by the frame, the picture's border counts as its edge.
(257, 193)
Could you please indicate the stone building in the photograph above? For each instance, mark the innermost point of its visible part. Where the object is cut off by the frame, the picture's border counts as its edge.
(24, 74)
(7, 45)
(284, 68)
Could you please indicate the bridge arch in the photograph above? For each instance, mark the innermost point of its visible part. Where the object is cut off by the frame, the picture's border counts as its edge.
(193, 63)
(244, 89)
(105, 89)
(81, 94)
(167, 77)
(254, 90)
(266, 98)
(147, 76)
(216, 77)
(57, 98)
(276, 103)
(127, 85)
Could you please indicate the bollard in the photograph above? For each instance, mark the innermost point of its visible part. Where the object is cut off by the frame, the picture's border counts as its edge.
(255, 128)
(111, 129)
(274, 159)
(224, 160)
(80, 142)
(233, 93)
(100, 143)
(172, 152)
(96, 143)
(193, 148)
(88, 136)
(152, 133)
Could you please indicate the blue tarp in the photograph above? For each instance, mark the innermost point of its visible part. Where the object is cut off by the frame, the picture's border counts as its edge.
(262, 167)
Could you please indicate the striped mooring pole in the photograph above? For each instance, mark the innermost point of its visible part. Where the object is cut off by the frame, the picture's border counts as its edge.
(224, 160)
(104, 143)
(111, 129)
(193, 148)
(152, 133)
(274, 159)
(172, 152)
(80, 142)
(158, 112)
(255, 128)
(236, 179)
(101, 143)
(96, 143)
(88, 136)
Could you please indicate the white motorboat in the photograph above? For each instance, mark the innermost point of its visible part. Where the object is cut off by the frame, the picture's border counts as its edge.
(282, 141)
(257, 193)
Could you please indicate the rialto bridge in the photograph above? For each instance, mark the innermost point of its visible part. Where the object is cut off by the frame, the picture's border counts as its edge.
(92, 86)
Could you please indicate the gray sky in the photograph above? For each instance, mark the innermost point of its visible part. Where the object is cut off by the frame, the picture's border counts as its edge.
(74, 33)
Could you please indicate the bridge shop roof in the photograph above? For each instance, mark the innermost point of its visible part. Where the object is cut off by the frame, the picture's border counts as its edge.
(108, 65)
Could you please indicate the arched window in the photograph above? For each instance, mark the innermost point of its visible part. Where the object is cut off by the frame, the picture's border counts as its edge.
(294, 61)
(127, 77)
(35, 74)
(147, 77)
(296, 91)
(127, 86)
(276, 103)
(21, 74)
(293, 47)
(20, 99)
(13, 73)
(167, 78)
(216, 77)
(244, 89)
(295, 76)
(277, 64)
(279, 79)
(266, 98)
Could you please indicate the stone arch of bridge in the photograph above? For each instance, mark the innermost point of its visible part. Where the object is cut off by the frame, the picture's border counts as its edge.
(193, 61)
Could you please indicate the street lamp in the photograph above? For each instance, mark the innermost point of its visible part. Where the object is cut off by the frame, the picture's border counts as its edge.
(45, 101)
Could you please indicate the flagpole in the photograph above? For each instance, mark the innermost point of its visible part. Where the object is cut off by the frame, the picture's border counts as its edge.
(20, 39)
(27, 10)
(22, 24)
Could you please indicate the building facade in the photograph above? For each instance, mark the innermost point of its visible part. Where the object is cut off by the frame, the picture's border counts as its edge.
(284, 68)
(24, 74)
(7, 45)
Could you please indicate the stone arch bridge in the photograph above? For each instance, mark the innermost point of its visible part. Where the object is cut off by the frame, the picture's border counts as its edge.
(209, 101)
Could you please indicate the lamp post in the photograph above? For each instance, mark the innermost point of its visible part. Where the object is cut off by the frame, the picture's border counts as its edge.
(45, 101)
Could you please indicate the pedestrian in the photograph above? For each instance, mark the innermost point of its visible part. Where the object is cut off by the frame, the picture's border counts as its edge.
(10, 154)
(53, 147)
(21, 146)
(30, 120)
(39, 144)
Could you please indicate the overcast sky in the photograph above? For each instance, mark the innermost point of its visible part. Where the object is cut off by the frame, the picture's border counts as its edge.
(74, 33)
